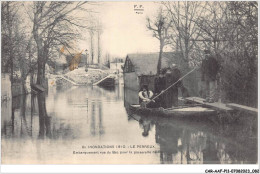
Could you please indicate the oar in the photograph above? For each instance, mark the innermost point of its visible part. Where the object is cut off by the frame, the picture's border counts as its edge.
(171, 86)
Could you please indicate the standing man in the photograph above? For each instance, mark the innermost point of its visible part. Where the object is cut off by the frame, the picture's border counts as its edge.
(160, 86)
(209, 70)
(167, 77)
(172, 74)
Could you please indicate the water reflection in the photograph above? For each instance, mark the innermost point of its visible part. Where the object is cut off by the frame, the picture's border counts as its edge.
(205, 142)
(46, 128)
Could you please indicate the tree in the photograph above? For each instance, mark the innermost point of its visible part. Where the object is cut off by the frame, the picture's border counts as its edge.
(184, 16)
(53, 24)
(160, 27)
(8, 22)
(99, 32)
(92, 45)
(17, 48)
(229, 30)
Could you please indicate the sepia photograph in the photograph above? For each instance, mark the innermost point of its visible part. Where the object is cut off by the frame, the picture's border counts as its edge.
(154, 82)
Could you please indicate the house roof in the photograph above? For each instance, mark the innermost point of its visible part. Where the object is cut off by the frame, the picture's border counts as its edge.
(146, 63)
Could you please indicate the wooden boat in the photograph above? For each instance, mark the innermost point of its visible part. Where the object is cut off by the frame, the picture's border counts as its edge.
(182, 111)
(107, 81)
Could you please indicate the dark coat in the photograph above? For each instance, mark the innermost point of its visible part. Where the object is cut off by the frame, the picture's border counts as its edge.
(172, 93)
(209, 68)
(159, 85)
(170, 97)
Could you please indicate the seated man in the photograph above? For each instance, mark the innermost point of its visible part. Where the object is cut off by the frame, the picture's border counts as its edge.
(145, 95)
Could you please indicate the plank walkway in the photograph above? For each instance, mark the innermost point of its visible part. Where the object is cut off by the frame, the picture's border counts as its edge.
(242, 108)
(216, 105)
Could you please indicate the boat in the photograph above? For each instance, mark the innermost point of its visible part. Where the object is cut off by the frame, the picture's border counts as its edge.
(107, 81)
(181, 111)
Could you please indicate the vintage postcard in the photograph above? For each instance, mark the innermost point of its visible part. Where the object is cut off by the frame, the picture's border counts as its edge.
(129, 82)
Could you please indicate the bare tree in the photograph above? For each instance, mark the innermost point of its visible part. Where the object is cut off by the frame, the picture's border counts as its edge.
(184, 16)
(160, 27)
(8, 20)
(17, 48)
(53, 24)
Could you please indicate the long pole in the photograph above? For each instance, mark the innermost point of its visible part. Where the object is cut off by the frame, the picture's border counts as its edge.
(172, 85)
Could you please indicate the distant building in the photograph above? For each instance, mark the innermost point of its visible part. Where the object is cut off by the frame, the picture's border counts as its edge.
(116, 65)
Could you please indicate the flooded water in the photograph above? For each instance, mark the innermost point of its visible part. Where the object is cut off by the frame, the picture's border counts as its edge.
(90, 125)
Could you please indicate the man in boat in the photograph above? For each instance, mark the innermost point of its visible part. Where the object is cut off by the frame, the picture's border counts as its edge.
(172, 75)
(160, 86)
(209, 71)
(145, 97)
(167, 77)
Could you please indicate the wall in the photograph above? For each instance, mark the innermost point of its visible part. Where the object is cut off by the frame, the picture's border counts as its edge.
(5, 86)
(130, 97)
(131, 81)
(147, 80)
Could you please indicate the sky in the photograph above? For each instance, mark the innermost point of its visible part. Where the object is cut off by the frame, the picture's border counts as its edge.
(124, 31)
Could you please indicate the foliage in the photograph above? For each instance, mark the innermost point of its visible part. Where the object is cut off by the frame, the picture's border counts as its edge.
(229, 30)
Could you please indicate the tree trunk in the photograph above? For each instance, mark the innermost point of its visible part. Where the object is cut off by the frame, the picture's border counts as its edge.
(11, 51)
(42, 113)
(99, 49)
(92, 47)
(41, 67)
(160, 58)
(24, 88)
(41, 73)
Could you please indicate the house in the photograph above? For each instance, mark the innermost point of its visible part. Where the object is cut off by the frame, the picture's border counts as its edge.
(141, 69)
(116, 65)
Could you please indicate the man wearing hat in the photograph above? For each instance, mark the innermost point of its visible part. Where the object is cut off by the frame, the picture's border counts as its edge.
(209, 70)
(160, 86)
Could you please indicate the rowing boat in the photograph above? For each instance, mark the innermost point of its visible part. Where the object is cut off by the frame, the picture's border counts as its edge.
(182, 111)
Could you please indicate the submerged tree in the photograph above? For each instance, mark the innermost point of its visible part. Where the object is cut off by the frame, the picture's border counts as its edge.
(9, 21)
(17, 48)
